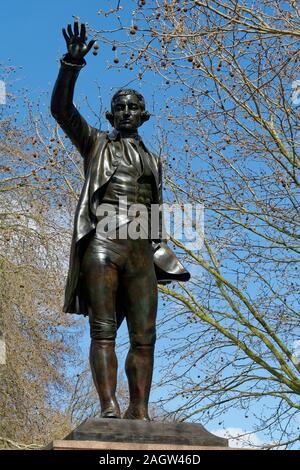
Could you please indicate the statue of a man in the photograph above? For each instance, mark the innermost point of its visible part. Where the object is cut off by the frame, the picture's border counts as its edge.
(111, 277)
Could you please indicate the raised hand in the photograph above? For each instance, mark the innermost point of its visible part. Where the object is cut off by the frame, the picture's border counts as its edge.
(76, 41)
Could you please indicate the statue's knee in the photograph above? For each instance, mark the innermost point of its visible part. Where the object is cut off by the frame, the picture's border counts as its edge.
(143, 340)
(103, 330)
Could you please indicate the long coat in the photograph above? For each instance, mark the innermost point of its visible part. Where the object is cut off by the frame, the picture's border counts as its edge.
(101, 158)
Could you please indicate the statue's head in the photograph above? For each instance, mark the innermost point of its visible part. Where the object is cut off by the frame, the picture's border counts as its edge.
(128, 111)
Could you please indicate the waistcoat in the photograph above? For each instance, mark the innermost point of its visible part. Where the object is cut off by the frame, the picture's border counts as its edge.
(132, 179)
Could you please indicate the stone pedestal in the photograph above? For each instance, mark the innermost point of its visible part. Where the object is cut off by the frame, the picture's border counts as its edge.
(126, 434)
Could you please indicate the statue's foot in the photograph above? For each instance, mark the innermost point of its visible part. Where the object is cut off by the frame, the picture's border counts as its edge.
(110, 414)
(134, 413)
(111, 411)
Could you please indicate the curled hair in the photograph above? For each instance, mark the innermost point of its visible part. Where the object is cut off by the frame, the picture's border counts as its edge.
(125, 92)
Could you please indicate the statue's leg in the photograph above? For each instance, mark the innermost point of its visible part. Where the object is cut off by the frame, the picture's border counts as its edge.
(100, 282)
(140, 289)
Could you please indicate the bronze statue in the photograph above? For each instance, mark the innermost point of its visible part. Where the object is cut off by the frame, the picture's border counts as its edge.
(111, 278)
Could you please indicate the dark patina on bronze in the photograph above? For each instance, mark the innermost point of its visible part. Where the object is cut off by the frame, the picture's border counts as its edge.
(109, 278)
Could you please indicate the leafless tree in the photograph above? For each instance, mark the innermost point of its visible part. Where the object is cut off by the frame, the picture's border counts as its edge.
(229, 134)
(36, 194)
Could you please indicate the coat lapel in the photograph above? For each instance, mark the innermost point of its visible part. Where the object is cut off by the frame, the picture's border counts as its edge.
(152, 160)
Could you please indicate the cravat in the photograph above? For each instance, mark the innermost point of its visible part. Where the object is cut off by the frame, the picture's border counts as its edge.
(131, 154)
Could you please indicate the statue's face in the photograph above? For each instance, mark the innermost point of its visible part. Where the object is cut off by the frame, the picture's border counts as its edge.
(127, 113)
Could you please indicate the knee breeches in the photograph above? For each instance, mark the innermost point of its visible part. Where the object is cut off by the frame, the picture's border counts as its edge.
(112, 268)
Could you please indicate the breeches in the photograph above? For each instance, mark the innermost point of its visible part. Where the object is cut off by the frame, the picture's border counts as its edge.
(112, 268)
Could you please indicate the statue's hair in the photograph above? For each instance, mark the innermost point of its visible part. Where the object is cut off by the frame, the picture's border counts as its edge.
(125, 92)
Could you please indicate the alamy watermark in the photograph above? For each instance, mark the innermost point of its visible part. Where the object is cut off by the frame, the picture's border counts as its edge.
(296, 351)
(184, 222)
(295, 98)
(2, 92)
(296, 93)
(2, 351)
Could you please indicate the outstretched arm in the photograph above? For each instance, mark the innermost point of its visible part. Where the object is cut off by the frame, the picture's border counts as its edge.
(62, 107)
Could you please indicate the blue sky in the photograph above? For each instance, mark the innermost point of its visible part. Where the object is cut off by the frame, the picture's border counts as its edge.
(31, 37)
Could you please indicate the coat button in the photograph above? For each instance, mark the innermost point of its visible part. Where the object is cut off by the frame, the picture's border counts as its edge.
(115, 163)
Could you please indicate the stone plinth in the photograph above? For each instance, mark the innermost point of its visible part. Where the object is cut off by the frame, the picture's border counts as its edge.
(126, 434)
